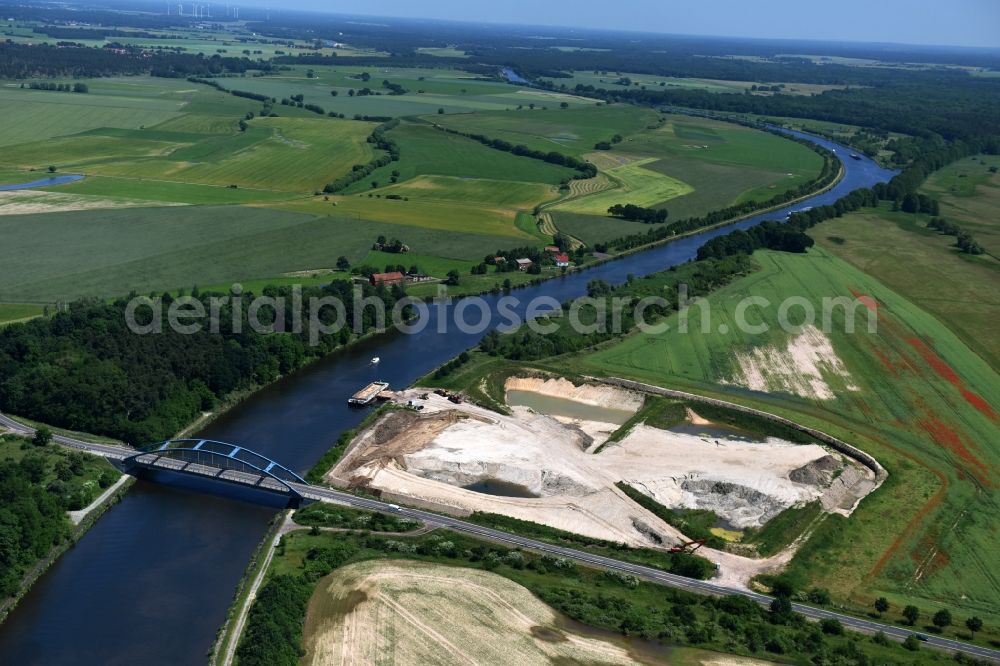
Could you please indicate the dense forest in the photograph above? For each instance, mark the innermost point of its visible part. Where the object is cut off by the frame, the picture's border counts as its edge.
(39, 482)
(22, 61)
(954, 108)
(84, 369)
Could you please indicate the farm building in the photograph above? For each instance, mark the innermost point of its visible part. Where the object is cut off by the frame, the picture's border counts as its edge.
(387, 279)
(524, 264)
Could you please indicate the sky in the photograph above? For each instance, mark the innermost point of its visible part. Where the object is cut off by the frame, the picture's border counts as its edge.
(925, 22)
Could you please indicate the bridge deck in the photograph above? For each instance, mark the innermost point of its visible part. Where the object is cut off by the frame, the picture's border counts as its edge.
(152, 460)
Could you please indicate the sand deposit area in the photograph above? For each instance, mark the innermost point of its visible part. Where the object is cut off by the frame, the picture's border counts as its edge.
(419, 613)
(435, 455)
(807, 366)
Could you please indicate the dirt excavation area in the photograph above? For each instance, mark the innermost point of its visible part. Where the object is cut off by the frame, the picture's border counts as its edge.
(543, 468)
(806, 367)
(420, 613)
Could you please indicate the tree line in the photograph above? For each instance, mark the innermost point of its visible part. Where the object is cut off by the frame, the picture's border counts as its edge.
(84, 369)
(963, 239)
(381, 140)
(23, 61)
(58, 87)
(700, 278)
(638, 213)
(959, 108)
(583, 168)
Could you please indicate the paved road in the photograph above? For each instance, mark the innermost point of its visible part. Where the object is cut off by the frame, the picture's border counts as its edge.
(116, 452)
(699, 586)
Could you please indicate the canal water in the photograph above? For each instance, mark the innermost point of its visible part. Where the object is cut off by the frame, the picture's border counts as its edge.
(151, 581)
(570, 409)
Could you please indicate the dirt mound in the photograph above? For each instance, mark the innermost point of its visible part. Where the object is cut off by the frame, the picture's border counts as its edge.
(588, 394)
(395, 435)
(742, 506)
(816, 473)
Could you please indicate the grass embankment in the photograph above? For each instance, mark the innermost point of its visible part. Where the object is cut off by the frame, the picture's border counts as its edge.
(11, 313)
(346, 518)
(912, 395)
(696, 524)
(783, 529)
(300, 577)
(683, 564)
(656, 412)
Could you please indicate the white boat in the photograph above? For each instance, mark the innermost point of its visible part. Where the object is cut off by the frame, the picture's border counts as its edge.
(376, 360)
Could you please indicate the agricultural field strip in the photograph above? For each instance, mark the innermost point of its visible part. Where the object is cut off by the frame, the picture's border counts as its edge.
(636, 185)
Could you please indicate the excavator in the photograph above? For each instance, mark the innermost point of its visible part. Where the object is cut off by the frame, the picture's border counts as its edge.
(687, 546)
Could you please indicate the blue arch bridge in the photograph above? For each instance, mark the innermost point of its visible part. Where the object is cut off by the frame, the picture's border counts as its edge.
(193, 462)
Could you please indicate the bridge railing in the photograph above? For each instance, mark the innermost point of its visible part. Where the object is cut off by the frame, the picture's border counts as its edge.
(216, 458)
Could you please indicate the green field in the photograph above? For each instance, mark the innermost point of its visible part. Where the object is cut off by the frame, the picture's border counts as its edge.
(729, 144)
(112, 252)
(291, 154)
(912, 394)
(593, 229)
(958, 289)
(15, 312)
(146, 140)
(690, 166)
(611, 81)
(637, 185)
(457, 196)
(425, 151)
(166, 191)
(718, 164)
(411, 216)
(970, 196)
(443, 52)
(36, 115)
(428, 90)
(481, 191)
(208, 41)
(429, 264)
(570, 131)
